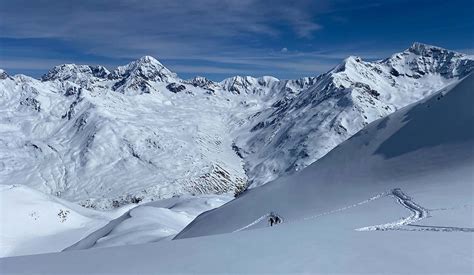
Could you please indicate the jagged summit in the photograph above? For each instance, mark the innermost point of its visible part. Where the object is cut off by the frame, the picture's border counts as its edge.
(345, 63)
(203, 82)
(75, 72)
(248, 84)
(424, 49)
(147, 68)
(3, 74)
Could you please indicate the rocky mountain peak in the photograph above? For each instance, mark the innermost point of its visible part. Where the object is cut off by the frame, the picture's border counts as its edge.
(3, 74)
(75, 73)
(425, 49)
(146, 68)
(204, 83)
(247, 84)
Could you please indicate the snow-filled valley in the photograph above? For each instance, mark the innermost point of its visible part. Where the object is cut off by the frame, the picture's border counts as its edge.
(396, 197)
(368, 166)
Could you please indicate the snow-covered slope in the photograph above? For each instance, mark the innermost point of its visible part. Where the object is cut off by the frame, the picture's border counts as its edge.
(394, 198)
(425, 151)
(32, 222)
(150, 222)
(139, 133)
(103, 148)
(292, 134)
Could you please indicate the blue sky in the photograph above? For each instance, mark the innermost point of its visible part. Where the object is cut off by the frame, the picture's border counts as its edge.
(222, 38)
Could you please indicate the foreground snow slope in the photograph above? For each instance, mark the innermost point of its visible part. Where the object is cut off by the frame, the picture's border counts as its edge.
(326, 245)
(426, 150)
(33, 223)
(395, 198)
(150, 222)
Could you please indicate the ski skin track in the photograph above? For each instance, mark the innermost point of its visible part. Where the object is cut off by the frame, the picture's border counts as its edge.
(418, 213)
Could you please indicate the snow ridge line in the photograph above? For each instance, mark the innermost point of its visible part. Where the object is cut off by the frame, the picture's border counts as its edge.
(437, 228)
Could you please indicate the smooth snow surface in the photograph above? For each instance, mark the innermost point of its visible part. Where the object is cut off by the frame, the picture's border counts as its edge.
(33, 223)
(150, 222)
(394, 198)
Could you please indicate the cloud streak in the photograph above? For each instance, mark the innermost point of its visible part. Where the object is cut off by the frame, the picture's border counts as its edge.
(214, 36)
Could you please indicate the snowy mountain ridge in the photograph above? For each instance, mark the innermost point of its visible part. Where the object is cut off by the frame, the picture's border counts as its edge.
(399, 192)
(141, 133)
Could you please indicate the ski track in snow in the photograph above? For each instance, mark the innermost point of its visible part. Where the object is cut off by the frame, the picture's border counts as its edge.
(312, 217)
(418, 213)
(381, 195)
(252, 223)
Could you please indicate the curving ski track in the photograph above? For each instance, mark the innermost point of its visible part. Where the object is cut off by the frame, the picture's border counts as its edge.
(418, 213)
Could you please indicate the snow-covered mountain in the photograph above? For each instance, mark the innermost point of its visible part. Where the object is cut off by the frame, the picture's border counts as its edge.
(394, 198)
(295, 132)
(138, 133)
(422, 156)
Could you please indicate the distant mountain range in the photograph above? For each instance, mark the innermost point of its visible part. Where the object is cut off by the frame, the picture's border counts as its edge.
(140, 133)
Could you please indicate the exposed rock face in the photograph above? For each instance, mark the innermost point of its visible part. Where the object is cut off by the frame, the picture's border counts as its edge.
(175, 88)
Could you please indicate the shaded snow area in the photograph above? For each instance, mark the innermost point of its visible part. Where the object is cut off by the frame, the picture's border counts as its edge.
(394, 198)
(32, 222)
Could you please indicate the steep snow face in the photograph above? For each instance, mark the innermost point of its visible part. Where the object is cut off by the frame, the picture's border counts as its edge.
(291, 134)
(140, 133)
(422, 156)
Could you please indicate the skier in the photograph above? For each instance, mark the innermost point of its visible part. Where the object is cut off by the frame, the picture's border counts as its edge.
(271, 220)
(277, 220)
